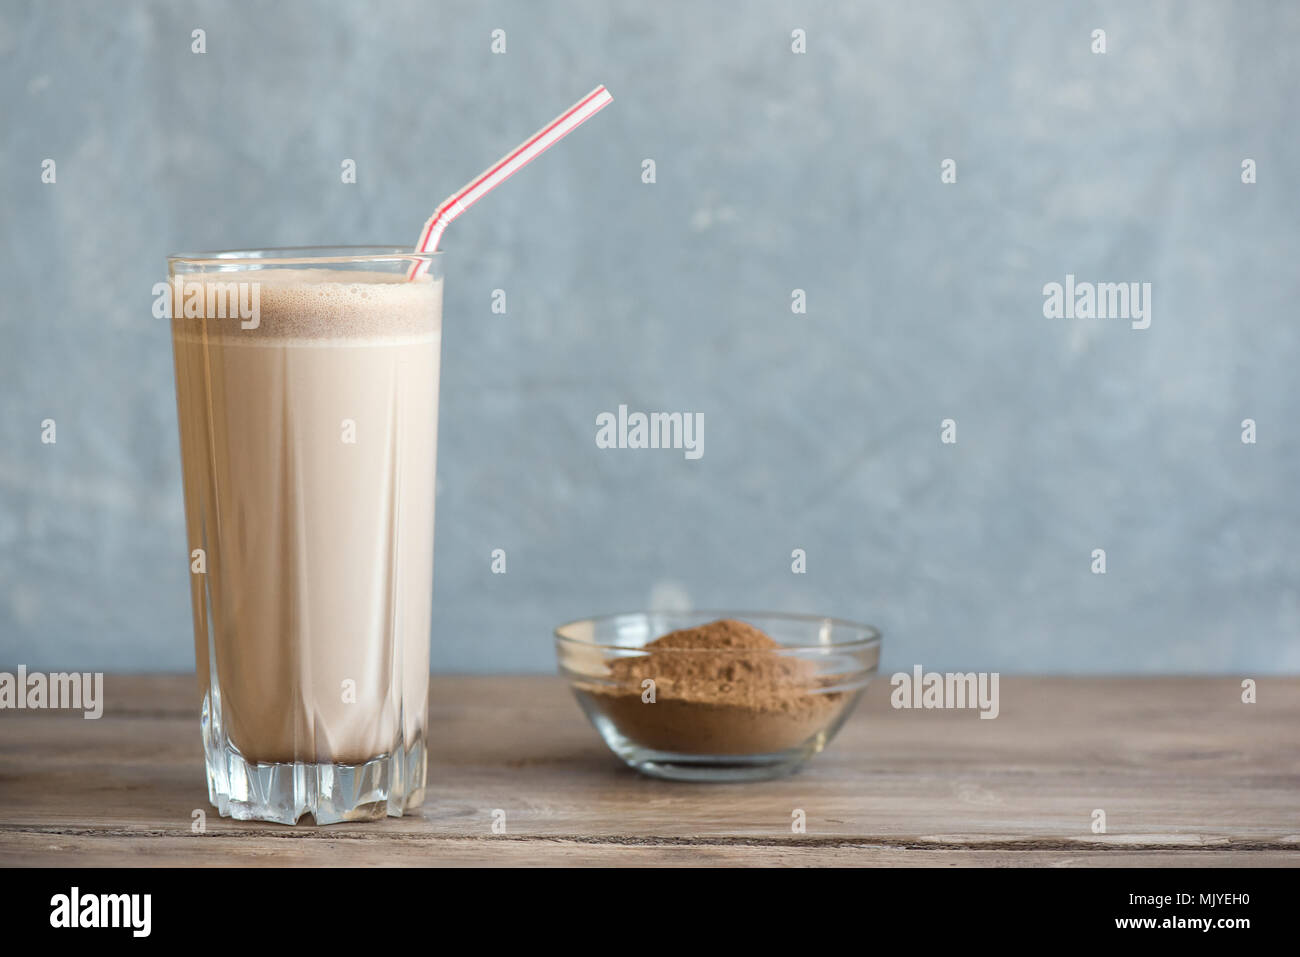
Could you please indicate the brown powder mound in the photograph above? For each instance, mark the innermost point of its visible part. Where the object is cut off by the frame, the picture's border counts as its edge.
(719, 689)
(708, 664)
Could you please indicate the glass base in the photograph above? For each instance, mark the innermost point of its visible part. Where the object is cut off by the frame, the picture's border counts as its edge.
(715, 768)
(386, 785)
(675, 765)
(681, 766)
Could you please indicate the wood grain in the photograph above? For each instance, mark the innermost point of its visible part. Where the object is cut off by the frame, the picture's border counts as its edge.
(1185, 772)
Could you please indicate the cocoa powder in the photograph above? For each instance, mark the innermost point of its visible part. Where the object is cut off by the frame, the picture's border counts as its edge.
(718, 689)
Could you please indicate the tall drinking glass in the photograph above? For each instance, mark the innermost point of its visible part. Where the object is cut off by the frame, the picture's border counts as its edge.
(307, 393)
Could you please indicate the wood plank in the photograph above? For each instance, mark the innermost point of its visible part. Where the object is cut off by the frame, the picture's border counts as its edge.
(46, 850)
(1182, 768)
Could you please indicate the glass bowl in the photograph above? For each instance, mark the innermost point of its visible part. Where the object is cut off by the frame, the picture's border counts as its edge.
(717, 713)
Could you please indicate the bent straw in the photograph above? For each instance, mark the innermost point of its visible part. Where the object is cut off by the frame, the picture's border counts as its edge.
(504, 168)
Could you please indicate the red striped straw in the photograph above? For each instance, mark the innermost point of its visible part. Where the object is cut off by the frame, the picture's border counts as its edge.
(507, 166)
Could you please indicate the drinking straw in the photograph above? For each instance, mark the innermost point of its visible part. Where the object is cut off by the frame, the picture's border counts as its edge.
(504, 168)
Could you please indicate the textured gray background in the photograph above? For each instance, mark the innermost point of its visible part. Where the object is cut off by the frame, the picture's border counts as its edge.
(775, 171)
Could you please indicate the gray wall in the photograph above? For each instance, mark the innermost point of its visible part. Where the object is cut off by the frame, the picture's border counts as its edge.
(775, 171)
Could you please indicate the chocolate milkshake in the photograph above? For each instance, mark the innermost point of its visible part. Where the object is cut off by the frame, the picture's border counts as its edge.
(308, 446)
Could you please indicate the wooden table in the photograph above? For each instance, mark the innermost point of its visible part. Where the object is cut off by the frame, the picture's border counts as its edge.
(1185, 772)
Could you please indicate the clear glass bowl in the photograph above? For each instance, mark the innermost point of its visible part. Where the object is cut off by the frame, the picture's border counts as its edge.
(717, 714)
